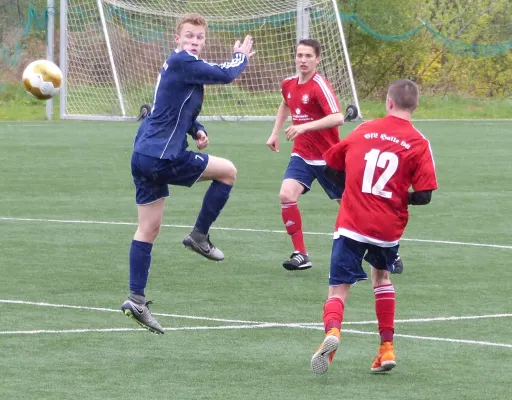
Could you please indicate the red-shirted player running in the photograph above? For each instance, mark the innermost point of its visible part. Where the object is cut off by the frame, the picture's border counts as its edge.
(377, 164)
(316, 115)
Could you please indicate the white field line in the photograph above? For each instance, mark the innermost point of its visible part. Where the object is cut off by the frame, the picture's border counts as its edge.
(431, 338)
(233, 327)
(109, 330)
(435, 339)
(247, 325)
(43, 304)
(92, 222)
(313, 325)
(24, 125)
(433, 319)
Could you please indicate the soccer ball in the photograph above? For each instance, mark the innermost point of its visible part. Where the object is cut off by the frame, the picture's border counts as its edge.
(42, 79)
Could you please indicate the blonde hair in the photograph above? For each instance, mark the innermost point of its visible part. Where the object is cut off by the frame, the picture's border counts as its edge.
(193, 19)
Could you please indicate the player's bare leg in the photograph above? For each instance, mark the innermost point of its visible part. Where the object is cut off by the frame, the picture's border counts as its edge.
(292, 219)
(222, 173)
(136, 307)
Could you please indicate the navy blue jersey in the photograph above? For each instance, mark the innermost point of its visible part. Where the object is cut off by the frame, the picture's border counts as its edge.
(177, 101)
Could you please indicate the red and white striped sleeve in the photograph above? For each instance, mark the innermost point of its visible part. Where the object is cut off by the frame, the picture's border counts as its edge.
(325, 96)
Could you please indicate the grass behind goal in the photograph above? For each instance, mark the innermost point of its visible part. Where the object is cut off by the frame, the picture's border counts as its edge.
(67, 191)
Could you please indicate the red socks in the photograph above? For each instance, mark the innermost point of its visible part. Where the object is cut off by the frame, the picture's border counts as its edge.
(333, 313)
(385, 310)
(293, 223)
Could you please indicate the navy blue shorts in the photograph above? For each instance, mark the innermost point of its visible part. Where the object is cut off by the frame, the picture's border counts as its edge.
(347, 260)
(305, 174)
(151, 175)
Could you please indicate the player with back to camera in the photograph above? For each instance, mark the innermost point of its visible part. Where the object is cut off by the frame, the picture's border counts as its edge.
(160, 156)
(376, 164)
(316, 115)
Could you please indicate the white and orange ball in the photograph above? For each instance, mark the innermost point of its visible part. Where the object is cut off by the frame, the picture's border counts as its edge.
(42, 79)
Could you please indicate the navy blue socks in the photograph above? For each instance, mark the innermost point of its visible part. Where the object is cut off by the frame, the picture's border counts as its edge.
(140, 261)
(214, 201)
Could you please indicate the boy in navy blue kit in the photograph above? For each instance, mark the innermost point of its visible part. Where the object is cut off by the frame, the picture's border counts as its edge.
(160, 156)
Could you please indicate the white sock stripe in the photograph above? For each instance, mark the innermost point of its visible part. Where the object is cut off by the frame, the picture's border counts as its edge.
(390, 286)
(384, 292)
(384, 289)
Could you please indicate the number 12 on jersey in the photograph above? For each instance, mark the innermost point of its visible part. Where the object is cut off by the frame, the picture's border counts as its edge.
(374, 158)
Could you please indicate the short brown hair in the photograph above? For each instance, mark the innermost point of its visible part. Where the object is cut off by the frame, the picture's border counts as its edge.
(405, 94)
(193, 19)
(315, 44)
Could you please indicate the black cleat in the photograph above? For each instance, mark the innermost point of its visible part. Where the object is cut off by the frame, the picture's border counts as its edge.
(297, 261)
(398, 265)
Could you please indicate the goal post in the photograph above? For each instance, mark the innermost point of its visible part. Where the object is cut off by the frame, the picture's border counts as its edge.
(111, 52)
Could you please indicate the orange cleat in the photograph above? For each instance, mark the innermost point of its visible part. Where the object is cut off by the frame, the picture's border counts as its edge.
(385, 360)
(325, 353)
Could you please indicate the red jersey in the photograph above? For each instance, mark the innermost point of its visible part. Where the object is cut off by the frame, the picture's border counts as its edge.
(381, 159)
(311, 101)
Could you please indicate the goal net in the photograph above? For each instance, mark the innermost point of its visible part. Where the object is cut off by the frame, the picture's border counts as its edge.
(113, 50)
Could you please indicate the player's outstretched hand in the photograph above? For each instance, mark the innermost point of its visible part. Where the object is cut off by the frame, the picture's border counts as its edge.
(202, 140)
(273, 143)
(245, 47)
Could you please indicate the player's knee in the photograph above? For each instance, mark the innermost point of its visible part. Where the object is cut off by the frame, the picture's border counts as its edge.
(287, 196)
(229, 175)
(380, 277)
(148, 232)
(284, 196)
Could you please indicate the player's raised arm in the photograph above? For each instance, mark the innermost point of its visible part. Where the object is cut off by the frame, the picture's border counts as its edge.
(197, 71)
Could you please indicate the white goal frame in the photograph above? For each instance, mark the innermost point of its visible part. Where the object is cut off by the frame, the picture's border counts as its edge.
(119, 107)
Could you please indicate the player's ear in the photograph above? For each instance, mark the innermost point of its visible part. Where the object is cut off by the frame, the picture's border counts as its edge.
(389, 103)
